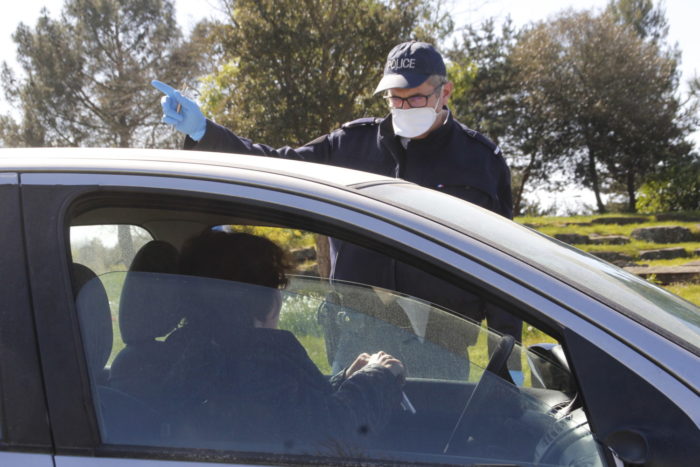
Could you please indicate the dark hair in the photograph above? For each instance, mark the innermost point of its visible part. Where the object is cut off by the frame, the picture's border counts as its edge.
(240, 257)
(235, 256)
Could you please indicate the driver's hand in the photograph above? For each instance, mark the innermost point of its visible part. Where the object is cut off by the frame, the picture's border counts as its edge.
(359, 363)
(388, 361)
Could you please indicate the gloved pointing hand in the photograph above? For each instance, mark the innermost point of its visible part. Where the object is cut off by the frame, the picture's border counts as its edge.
(189, 120)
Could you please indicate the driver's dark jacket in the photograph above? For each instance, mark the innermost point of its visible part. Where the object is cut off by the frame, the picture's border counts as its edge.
(453, 159)
(260, 384)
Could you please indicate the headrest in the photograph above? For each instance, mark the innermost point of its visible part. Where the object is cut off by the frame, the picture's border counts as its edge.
(229, 305)
(155, 256)
(149, 305)
(94, 316)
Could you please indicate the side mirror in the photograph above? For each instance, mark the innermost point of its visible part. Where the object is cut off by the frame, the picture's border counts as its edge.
(550, 369)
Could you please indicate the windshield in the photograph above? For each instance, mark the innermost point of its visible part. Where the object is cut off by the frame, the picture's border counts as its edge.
(601, 279)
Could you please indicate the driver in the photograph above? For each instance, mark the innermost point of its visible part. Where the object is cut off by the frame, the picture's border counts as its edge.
(244, 377)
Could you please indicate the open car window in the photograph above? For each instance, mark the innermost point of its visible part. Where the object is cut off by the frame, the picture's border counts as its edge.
(237, 370)
(172, 366)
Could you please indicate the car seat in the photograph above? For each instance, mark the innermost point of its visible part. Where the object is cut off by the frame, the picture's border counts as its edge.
(95, 320)
(122, 418)
(148, 310)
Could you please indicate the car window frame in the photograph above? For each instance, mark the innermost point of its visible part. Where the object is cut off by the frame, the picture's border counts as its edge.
(23, 412)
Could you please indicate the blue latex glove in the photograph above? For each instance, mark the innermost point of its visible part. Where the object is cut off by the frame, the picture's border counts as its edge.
(518, 377)
(189, 120)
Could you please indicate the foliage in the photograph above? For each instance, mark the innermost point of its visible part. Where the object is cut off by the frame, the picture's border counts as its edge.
(103, 259)
(289, 239)
(694, 85)
(611, 97)
(648, 22)
(676, 188)
(299, 315)
(590, 97)
(484, 78)
(316, 349)
(293, 71)
(488, 97)
(86, 75)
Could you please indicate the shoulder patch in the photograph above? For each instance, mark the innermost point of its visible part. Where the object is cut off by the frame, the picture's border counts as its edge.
(366, 121)
(481, 138)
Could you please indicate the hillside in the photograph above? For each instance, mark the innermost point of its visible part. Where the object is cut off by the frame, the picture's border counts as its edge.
(663, 248)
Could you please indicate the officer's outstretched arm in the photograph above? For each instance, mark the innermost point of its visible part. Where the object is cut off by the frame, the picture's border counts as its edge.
(181, 112)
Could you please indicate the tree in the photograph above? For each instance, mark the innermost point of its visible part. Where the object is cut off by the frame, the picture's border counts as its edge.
(87, 77)
(489, 97)
(87, 74)
(694, 85)
(484, 77)
(292, 70)
(648, 22)
(674, 188)
(612, 96)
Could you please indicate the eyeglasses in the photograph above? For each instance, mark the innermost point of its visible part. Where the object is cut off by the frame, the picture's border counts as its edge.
(419, 100)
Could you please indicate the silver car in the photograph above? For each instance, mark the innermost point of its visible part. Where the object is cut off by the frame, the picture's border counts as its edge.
(93, 310)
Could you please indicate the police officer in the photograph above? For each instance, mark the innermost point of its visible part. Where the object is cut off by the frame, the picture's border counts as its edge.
(418, 141)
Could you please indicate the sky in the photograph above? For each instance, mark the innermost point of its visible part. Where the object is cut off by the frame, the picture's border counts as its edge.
(682, 16)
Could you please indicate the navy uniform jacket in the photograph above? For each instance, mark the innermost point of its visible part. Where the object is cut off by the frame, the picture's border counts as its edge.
(453, 159)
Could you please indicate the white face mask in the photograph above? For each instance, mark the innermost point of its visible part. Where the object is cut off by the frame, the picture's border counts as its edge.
(410, 123)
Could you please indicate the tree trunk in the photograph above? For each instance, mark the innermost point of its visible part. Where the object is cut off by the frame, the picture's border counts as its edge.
(631, 193)
(323, 256)
(593, 173)
(518, 195)
(126, 244)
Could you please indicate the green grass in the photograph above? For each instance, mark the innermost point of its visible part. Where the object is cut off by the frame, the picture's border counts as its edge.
(113, 283)
(565, 225)
(668, 262)
(690, 292)
(555, 225)
(569, 224)
(610, 229)
(689, 216)
(635, 246)
(478, 353)
(316, 348)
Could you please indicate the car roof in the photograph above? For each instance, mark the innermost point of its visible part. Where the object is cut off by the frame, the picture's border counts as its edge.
(150, 161)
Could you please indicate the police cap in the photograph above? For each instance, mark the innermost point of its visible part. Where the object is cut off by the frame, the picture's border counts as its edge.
(409, 64)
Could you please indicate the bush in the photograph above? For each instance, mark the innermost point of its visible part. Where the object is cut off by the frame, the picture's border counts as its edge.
(675, 189)
(299, 315)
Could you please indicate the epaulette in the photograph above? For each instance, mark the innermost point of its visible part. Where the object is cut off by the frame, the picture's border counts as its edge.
(481, 138)
(365, 121)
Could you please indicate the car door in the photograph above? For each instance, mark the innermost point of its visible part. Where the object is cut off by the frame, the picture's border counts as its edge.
(24, 431)
(85, 413)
